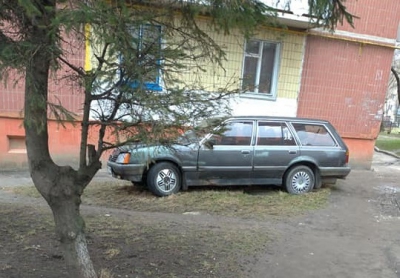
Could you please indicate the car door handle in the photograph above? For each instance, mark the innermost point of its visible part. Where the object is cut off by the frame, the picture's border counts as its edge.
(292, 152)
(245, 152)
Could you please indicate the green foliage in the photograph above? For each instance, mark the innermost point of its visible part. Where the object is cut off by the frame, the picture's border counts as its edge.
(20, 26)
(330, 12)
(228, 15)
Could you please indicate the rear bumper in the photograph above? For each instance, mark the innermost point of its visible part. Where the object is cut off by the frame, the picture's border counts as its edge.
(131, 172)
(335, 172)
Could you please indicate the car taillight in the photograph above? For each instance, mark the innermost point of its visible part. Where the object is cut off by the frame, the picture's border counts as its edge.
(123, 158)
(347, 157)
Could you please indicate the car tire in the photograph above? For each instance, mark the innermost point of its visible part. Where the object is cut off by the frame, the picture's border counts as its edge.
(164, 179)
(299, 180)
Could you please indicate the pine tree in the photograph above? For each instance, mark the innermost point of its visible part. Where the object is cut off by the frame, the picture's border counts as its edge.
(35, 42)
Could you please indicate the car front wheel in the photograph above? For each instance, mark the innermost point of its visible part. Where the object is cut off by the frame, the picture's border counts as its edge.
(164, 179)
(299, 180)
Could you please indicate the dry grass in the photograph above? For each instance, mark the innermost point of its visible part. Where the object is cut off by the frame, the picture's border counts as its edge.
(249, 202)
(105, 273)
(246, 202)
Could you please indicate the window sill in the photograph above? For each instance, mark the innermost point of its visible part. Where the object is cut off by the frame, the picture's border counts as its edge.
(22, 151)
(258, 96)
(147, 86)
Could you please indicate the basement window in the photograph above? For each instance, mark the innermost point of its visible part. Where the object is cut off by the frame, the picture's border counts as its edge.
(16, 144)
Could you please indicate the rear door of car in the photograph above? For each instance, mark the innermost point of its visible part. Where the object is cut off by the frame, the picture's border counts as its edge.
(318, 143)
(275, 148)
(230, 160)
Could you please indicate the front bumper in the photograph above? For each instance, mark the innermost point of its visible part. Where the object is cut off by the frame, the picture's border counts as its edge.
(130, 172)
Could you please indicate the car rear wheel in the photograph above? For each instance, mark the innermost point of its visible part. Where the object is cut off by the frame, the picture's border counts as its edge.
(299, 180)
(164, 179)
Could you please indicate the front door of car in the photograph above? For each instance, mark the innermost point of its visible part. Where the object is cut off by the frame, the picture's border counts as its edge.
(275, 148)
(229, 160)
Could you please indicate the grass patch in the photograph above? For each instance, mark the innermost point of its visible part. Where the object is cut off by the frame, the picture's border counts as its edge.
(29, 191)
(389, 142)
(216, 201)
(245, 202)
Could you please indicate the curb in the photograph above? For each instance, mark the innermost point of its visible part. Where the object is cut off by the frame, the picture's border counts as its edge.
(386, 152)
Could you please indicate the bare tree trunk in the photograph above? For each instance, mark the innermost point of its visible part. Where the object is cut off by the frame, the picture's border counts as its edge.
(62, 191)
(396, 76)
(70, 230)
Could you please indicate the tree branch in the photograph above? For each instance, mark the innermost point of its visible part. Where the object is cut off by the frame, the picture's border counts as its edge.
(78, 70)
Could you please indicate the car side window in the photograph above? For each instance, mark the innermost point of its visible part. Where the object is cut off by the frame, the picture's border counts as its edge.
(274, 134)
(235, 133)
(313, 135)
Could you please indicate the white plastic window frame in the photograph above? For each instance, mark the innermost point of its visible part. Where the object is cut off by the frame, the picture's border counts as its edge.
(274, 85)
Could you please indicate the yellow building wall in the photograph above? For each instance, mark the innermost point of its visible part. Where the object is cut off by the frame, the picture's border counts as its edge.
(290, 62)
(212, 77)
(292, 54)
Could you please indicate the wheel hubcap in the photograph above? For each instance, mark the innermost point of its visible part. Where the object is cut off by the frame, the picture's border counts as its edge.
(166, 180)
(301, 182)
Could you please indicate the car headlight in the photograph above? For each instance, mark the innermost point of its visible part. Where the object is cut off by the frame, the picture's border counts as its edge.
(123, 158)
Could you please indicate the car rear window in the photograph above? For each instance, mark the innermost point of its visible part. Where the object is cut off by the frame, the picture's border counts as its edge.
(313, 135)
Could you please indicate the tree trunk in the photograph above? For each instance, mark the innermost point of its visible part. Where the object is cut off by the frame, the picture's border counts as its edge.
(62, 191)
(70, 230)
(62, 187)
(396, 76)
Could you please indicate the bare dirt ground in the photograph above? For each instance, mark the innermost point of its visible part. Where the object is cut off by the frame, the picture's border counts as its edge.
(356, 235)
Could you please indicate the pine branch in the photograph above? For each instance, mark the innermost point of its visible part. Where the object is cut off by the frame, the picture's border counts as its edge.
(5, 41)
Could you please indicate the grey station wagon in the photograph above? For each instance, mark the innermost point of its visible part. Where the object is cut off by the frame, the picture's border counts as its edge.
(300, 154)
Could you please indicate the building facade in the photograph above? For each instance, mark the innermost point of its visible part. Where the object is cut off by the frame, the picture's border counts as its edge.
(339, 76)
(346, 74)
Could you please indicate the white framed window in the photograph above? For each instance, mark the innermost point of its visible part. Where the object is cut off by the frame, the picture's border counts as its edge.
(260, 68)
